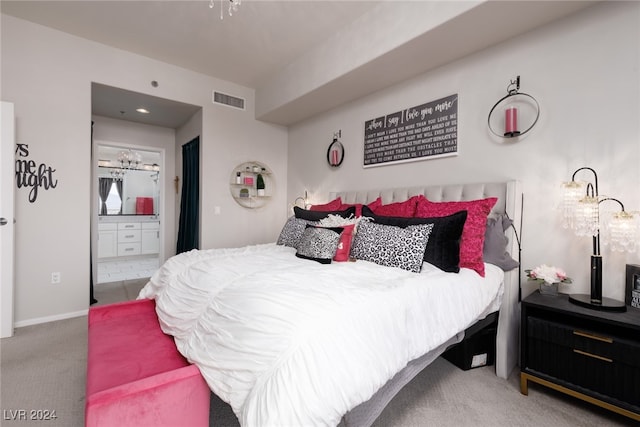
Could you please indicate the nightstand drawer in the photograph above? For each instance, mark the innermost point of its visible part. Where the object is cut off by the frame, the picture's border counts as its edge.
(600, 345)
(588, 359)
(589, 354)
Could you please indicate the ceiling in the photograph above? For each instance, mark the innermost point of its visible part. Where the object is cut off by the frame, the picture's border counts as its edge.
(244, 48)
(122, 104)
(263, 37)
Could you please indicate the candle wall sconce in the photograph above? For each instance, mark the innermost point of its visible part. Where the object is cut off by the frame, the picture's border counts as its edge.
(516, 108)
(335, 152)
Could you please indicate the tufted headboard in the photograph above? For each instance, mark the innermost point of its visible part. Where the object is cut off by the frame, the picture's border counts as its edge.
(435, 193)
(509, 196)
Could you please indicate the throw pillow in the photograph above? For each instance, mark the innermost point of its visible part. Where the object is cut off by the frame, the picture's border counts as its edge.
(373, 205)
(472, 242)
(344, 245)
(291, 232)
(318, 215)
(349, 225)
(495, 243)
(319, 243)
(333, 205)
(406, 209)
(443, 248)
(391, 246)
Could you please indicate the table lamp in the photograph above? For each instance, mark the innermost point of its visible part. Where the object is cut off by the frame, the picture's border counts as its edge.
(581, 213)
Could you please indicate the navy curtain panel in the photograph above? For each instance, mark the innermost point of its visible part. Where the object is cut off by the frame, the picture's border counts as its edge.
(189, 224)
(92, 299)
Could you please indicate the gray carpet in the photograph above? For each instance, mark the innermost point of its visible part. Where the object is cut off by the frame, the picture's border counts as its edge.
(44, 368)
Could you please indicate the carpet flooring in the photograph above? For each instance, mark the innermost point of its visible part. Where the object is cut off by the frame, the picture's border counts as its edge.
(43, 367)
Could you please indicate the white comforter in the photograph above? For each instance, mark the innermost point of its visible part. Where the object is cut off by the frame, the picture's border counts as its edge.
(291, 342)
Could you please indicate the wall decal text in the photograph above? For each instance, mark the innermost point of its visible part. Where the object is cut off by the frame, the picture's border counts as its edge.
(31, 174)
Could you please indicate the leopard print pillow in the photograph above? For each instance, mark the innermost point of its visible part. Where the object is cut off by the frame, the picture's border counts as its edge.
(319, 244)
(391, 246)
(292, 231)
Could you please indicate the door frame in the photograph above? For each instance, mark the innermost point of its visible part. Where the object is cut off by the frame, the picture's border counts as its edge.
(162, 216)
(7, 211)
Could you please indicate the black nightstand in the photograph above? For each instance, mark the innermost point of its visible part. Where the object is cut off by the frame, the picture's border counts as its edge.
(588, 354)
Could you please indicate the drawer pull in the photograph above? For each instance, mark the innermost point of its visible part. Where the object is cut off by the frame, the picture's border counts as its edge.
(129, 236)
(593, 337)
(595, 356)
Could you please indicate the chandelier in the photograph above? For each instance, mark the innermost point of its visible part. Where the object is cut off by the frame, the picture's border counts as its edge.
(233, 6)
(128, 159)
(117, 174)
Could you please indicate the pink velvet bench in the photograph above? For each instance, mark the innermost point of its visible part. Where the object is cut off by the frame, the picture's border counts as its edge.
(135, 374)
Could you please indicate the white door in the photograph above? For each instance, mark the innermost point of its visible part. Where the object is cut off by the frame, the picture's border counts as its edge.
(7, 160)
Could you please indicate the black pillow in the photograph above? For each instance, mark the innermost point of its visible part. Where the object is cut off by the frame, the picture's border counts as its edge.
(318, 215)
(443, 248)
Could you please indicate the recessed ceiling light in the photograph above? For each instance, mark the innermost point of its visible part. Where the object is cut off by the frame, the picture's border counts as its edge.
(142, 110)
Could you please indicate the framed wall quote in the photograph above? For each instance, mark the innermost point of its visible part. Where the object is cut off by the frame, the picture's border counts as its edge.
(426, 131)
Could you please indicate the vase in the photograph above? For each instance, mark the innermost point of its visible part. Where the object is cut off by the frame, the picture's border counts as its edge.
(549, 289)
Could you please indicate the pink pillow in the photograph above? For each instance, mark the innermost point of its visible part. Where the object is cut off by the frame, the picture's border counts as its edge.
(333, 205)
(472, 240)
(406, 209)
(373, 205)
(344, 246)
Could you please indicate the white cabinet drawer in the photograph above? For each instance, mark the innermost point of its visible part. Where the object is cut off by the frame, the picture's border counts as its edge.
(128, 226)
(154, 225)
(125, 249)
(107, 226)
(128, 236)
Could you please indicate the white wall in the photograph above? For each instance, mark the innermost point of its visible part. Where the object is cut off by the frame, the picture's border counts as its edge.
(583, 70)
(48, 75)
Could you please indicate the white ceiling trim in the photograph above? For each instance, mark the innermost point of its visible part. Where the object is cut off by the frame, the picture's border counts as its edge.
(301, 57)
(335, 72)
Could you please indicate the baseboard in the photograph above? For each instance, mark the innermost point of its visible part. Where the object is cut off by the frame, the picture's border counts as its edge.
(48, 319)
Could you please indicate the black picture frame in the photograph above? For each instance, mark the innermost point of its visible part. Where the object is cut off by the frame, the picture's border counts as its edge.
(632, 294)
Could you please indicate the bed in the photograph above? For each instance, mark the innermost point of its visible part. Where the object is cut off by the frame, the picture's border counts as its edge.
(286, 340)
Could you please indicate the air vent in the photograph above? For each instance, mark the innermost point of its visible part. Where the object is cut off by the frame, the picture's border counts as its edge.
(228, 100)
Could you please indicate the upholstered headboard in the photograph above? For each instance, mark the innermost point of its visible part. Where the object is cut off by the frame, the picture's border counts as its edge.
(435, 193)
(509, 196)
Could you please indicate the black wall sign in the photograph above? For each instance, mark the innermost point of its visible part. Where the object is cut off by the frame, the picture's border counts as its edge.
(31, 174)
(427, 131)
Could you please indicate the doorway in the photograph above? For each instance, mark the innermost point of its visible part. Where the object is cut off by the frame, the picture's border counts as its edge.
(140, 122)
(128, 210)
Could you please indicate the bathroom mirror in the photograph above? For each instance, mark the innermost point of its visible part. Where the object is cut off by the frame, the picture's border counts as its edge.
(128, 181)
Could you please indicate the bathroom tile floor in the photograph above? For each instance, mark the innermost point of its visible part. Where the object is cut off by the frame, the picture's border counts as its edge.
(131, 269)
